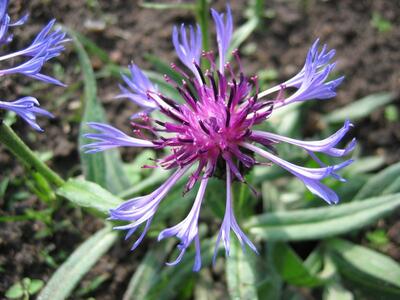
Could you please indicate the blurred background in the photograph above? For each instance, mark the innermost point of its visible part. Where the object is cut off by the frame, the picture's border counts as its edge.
(365, 34)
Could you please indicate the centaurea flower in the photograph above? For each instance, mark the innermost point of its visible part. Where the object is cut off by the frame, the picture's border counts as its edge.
(47, 44)
(213, 129)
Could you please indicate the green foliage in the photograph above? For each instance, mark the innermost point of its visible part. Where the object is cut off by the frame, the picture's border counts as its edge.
(359, 109)
(163, 6)
(27, 287)
(88, 194)
(291, 268)
(241, 273)
(103, 168)
(381, 23)
(366, 266)
(77, 265)
(324, 222)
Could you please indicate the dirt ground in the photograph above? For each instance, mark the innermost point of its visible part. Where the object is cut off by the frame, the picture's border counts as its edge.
(369, 58)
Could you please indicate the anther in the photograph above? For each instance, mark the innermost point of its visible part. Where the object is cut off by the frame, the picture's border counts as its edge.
(200, 72)
(204, 127)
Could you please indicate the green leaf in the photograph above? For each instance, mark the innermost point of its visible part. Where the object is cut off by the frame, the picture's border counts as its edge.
(336, 291)
(35, 286)
(381, 23)
(366, 266)
(92, 48)
(242, 33)
(163, 6)
(104, 168)
(15, 291)
(172, 280)
(291, 267)
(240, 273)
(88, 194)
(359, 109)
(379, 182)
(271, 287)
(324, 222)
(70, 273)
(364, 165)
(394, 187)
(146, 273)
(158, 176)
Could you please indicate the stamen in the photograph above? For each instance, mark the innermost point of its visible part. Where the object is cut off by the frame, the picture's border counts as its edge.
(168, 79)
(189, 90)
(189, 100)
(222, 84)
(169, 101)
(160, 123)
(204, 127)
(232, 93)
(186, 140)
(209, 55)
(228, 117)
(279, 97)
(179, 70)
(230, 70)
(236, 55)
(214, 86)
(203, 80)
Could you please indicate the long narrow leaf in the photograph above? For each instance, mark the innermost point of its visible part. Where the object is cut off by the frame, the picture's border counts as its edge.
(360, 108)
(366, 266)
(240, 274)
(146, 274)
(379, 182)
(88, 194)
(103, 168)
(322, 222)
(292, 268)
(77, 265)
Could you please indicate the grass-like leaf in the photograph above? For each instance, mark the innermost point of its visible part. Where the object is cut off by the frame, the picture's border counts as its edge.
(88, 194)
(379, 182)
(359, 109)
(164, 6)
(77, 265)
(240, 273)
(366, 266)
(324, 222)
(103, 168)
(291, 267)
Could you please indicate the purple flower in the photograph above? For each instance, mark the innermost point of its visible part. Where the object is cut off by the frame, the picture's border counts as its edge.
(138, 87)
(111, 137)
(212, 133)
(224, 33)
(27, 108)
(29, 62)
(188, 50)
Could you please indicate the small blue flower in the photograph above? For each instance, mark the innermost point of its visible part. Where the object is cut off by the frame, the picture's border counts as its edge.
(111, 137)
(224, 33)
(27, 108)
(47, 44)
(138, 87)
(188, 49)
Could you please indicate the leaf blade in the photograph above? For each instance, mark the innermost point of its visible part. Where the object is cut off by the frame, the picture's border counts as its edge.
(77, 265)
(367, 262)
(240, 274)
(88, 194)
(104, 168)
(314, 226)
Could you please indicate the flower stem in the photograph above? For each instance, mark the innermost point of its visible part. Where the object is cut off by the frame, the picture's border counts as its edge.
(26, 156)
